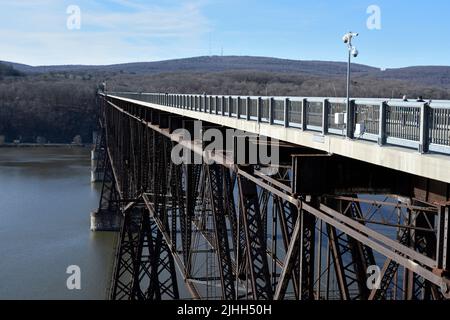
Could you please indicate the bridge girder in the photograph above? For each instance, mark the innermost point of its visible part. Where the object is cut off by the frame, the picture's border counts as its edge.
(240, 212)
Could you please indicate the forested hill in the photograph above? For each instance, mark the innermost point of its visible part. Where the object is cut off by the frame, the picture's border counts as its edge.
(208, 64)
(58, 102)
(425, 75)
(7, 70)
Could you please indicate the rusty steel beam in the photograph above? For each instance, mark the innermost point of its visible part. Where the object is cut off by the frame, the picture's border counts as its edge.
(202, 199)
(256, 244)
(216, 201)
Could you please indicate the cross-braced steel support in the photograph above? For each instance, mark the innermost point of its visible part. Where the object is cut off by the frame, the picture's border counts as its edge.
(295, 230)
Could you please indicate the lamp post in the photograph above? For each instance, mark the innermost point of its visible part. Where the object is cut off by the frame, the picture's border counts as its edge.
(352, 51)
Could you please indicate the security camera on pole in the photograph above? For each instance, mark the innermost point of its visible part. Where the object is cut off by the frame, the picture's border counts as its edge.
(352, 51)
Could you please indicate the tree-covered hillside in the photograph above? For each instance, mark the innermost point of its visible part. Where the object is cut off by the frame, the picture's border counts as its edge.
(59, 105)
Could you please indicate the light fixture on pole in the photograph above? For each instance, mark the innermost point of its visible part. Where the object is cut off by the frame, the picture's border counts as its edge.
(352, 52)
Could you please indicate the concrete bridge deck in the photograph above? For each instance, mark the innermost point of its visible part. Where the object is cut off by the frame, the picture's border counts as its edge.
(379, 146)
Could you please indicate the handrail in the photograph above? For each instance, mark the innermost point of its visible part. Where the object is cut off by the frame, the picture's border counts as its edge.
(424, 126)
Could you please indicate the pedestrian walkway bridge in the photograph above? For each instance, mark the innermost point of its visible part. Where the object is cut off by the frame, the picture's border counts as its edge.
(412, 137)
(357, 187)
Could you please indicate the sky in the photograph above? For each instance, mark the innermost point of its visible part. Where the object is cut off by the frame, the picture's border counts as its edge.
(396, 33)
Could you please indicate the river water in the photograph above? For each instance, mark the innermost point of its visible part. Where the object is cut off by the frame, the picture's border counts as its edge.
(45, 200)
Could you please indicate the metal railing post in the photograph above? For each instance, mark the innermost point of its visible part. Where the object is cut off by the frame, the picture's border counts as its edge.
(211, 99)
(325, 112)
(424, 128)
(217, 101)
(238, 107)
(247, 108)
(286, 111)
(210, 104)
(258, 109)
(382, 124)
(223, 105)
(351, 120)
(271, 103)
(304, 114)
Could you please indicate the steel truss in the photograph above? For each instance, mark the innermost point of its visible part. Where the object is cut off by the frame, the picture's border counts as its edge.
(252, 232)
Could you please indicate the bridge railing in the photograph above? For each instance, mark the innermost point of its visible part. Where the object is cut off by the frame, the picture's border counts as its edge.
(419, 125)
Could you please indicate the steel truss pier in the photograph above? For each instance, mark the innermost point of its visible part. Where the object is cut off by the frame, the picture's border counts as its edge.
(312, 228)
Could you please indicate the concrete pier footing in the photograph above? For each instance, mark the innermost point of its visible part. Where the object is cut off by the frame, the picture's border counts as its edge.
(105, 221)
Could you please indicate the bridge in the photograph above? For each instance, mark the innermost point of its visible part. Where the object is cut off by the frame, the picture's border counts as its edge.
(356, 206)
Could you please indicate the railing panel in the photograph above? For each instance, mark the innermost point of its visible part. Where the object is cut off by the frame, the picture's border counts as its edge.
(253, 108)
(219, 105)
(243, 108)
(403, 122)
(226, 106)
(278, 111)
(232, 106)
(205, 100)
(314, 115)
(439, 126)
(295, 112)
(212, 104)
(336, 117)
(368, 117)
(197, 103)
(265, 109)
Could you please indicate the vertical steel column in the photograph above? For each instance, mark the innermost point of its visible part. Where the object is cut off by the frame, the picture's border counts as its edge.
(216, 199)
(256, 244)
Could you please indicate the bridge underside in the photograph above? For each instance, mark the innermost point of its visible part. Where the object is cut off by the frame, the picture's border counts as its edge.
(314, 227)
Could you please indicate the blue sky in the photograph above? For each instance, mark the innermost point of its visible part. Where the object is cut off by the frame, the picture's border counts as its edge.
(35, 31)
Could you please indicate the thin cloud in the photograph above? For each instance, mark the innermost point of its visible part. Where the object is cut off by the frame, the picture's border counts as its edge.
(109, 34)
(153, 23)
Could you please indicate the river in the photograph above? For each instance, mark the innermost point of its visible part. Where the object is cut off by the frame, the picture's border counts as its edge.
(45, 200)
